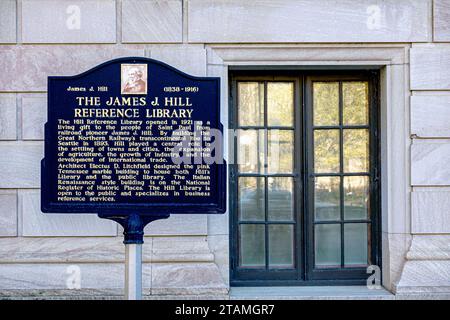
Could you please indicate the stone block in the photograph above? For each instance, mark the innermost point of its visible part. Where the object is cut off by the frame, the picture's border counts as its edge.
(8, 117)
(429, 67)
(8, 26)
(221, 21)
(152, 21)
(429, 162)
(34, 116)
(441, 18)
(430, 115)
(26, 68)
(35, 223)
(48, 21)
(20, 164)
(430, 212)
(8, 213)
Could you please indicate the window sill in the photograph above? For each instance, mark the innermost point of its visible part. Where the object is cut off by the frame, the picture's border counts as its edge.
(310, 293)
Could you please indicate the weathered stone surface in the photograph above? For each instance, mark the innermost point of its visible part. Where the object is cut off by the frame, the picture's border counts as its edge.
(430, 212)
(394, 249)
(8, 21)
(309, 21)
(8, 213)
(26, 68)
(310, 293)
(220, 246)
(187, 249)
(430, 115)
(307, 54)
(65, 250)
(101, 250)
(441, 18)
(189, 59)
(48, 21)
(218, 223)
(187, 278)
(37, 223)
(425, 276)
(152, 21)
(429, 247)
(57, 279)
(20, 164)
(429, 162)
(8, 117)
(178, 224)
(429, 67)
(34, 116)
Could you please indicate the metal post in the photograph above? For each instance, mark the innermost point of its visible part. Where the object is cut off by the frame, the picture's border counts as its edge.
(133, 271)
(133, 231)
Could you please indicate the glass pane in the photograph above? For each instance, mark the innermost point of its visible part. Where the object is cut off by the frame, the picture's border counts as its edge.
(327, 245)
(251, 103)
(281, 243)
(326, 151)
(355, 97)
(251, 151)
(281, 199)
(252, 245)
(356, 150)
(327, 198)
(356, 197)
(326, 103)
(251, 198)
(355, 244)
(280, 151)
(280, 103)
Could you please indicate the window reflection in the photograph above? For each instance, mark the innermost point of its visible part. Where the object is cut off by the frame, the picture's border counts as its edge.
(326, 103)
(251, 103)
(280, 103)
(326, 151)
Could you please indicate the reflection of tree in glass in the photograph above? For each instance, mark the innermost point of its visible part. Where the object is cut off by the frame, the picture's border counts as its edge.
(280, 103)
(251, 198)
(251, 103)
(326, 103)
(281, 147)
(356, 197)
(326, 151)
(355, 103)
(356, 145)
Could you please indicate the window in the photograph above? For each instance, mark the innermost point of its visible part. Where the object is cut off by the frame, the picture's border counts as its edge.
(304, 186)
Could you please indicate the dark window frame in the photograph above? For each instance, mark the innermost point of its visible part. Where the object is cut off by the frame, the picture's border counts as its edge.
(304, 272)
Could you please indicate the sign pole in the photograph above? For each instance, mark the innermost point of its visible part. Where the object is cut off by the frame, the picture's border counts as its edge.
(133, 271)
(133, 230)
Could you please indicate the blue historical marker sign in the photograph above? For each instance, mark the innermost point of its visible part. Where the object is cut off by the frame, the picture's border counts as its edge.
(133, 140)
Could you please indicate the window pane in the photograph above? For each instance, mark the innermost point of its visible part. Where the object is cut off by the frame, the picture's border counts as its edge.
(251, 151)
(251, 103)
(281, 240)
(356, 150)
(327, 198)
(280, 151)
(356, 197)
(252, 244)
(356, 103)
(326, 103)
(355, 244)
(251, 198)
(280, 103)
(327, 245)
(326, 151)
(280, 199)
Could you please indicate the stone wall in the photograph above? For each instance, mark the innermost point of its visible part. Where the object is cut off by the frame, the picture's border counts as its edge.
(39, 38)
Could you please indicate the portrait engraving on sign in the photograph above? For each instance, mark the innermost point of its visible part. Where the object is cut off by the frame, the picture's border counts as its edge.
(134, 78)
(133, 135)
